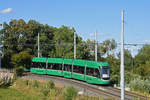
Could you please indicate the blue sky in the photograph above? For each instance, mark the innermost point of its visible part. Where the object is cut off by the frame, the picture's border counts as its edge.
(86, 16)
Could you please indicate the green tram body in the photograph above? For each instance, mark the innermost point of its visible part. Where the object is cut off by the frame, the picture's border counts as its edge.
(84, 70)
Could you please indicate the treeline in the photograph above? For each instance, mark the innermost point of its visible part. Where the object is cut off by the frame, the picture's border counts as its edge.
(19, 45)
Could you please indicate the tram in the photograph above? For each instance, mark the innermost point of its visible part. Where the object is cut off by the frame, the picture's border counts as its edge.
(89, 71)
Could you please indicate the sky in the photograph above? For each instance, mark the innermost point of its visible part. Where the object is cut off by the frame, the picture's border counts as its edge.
(86, 16)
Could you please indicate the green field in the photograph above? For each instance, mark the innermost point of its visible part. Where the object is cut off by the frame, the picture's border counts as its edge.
(23, 89)
(13, 94)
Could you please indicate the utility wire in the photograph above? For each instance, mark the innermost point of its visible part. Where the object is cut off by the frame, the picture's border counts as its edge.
(71, 44)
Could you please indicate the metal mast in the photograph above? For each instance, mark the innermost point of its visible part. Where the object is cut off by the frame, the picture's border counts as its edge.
(122, 57)
(74, 45)
(0, 49)
(38, 45)
(96, 46)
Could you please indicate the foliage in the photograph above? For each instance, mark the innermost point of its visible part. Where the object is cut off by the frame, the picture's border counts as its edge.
(51, 84)
(128, 59)
(6, 61)
(19, 44)
(19, 71)
(45, 92)
(142, 62)
(114, 68)
(63, 39)
(107, 46)
(26, 82)
(35, 84)
(19, 36)
(140, 85)
(70, 93)
(143, 70)
(21, 59)
(41, 91)
(143, 56)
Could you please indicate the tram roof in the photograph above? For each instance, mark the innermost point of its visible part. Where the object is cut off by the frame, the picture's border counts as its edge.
(77, 62)
(93, 64)
(38, 59)
(68, 61)
(55, 60)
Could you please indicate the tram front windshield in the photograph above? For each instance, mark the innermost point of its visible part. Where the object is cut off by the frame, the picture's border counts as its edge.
(105, 70)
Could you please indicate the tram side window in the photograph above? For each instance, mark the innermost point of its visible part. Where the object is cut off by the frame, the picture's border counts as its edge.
(42, 65)
(54, 66)
(78, 69)
(92, 72)
(38, 65)
(34, 64)
(50, 65)
(67, 67)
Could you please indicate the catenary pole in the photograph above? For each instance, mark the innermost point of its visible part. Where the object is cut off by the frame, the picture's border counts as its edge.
(38, 45)
(122, 57)
(96, 46)
(74, 45)
(0, 53)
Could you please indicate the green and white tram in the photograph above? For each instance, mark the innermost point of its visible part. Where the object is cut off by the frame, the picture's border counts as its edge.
(84, 70)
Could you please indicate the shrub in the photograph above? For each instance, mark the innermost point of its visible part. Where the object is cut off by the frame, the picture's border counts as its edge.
(53, 94)
(21, 59)
(51, 84)
(141, 85)
(70, 93)
(35, 84)
(19, 71)
(26, 82)
(45, 92)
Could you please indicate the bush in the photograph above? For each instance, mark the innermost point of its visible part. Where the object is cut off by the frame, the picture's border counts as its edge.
(35, 84)
(21, 59)
(140, 85)
(53, 94)
(70, 93)
(45, 92)
(51, 84)
(26, 82)
(19, 71)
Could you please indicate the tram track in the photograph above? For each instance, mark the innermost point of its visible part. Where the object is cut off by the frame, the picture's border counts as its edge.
(106, 91)
(129, 93)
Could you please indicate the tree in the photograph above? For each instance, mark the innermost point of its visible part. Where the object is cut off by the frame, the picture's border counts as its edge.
(114, 68)
(142, 62)
(18, 36)
(12, 36)
(46, 40)
(143, 56)
(22, 59)
(90, 49)
(128, 59)
(70, 93)
(107, 46)
(63, 39)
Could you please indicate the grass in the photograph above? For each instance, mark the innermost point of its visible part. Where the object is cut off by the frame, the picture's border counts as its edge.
(13, 94)
(42, 90)
(23, 89)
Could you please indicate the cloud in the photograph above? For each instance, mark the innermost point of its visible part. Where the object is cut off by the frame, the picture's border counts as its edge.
(4, 11)
(147, 41)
